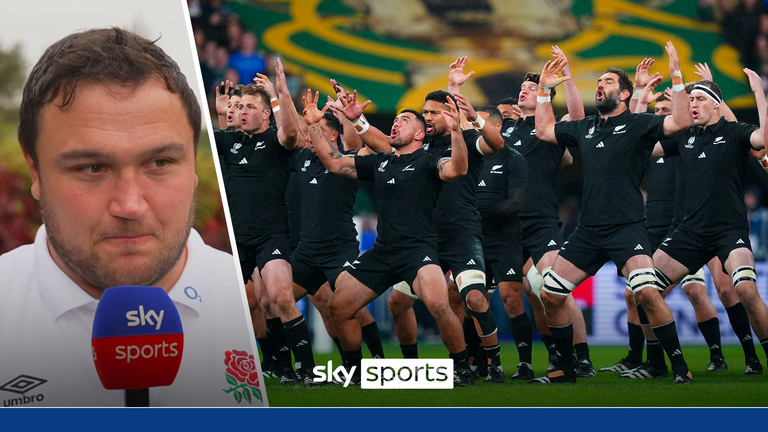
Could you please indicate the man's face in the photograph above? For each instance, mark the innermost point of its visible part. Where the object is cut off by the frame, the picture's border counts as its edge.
(405, 130)
(433, 115)
(607, 95)
(703, 109)
(506, 110)
(253, 114)
(663, 107)
(527, 98)
(116, 182)
(233, 113)
(486, 117)
(328, 133)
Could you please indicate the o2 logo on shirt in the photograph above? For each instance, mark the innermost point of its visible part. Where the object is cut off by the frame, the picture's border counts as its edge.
(236, 147)
(306, 164)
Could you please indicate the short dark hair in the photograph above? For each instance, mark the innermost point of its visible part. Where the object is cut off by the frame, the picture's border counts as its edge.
(252, 90)
(662, 98)
(418, 115)
(236, 90)
(333, 123)
(508, 101)
(624, 82)
(534, 77)
(710, 85)
(438, 96)
(494, 114)
(103, 56)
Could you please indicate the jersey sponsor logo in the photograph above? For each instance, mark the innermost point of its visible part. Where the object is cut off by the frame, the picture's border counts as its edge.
(740, 241)
(391, 181)
(589, 134)
(426, 258)
(638, 247)
(235, 147)
(471, 262)
(552, 243)
(719, 140)
(661, 160)
(482, 183)
(619, 129)
(495, 169)
(600, 145)
(383, 165)
(306, 164)
(691, 140)
(518, 143)
(260, 146)
(243, 162)
(533, 132)
(702, 155)
(21, 385)
(408, 168)
(313, 181)
(511, 272)
(276, 252)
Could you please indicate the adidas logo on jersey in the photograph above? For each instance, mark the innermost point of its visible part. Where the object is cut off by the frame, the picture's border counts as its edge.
(677, 352)
(638, 247)
(719, 140)
(552, 243)
(702, 155)
(661, 160)
(619, 129)
(482, 183)
(302, 343)
(511, 272)
(276, 252)
(471, 262)
(243, 162)
(600, 145)
(426, 258)
(747, 338)
(313, 181)
(518, 143)
(391, 181)
(740, 241)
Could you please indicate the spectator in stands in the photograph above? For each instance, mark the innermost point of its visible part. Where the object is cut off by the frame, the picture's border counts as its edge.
(758, 223)
(246, 61)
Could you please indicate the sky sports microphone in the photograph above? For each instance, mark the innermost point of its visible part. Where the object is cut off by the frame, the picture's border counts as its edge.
(137, 341)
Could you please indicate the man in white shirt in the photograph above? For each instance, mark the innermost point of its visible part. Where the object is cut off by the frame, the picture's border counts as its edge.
(109, 129)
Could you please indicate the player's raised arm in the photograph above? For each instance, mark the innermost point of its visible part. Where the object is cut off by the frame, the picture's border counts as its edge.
(350, 138)
(572, 96)
(703, 71)
(455, 166)
(641, 81)
(287, 121)
(262, 81)
(545, 117)
(334, 161)
(491, 140)
(373, 138)
(647, 95)
(681, 117)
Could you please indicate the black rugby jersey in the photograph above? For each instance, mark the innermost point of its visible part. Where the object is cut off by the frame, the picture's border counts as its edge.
(661, 192)
(456, 210)
(502, 172)
(713, 161)
(293, 199)
(258, 169)
(544, 160)
(406, 190)
(327, 201)
(615, 154)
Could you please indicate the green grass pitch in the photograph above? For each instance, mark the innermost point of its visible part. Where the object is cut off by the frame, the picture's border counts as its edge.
(709, 389)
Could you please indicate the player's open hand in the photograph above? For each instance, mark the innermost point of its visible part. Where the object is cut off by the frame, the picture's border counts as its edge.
(465, 107)
(641, 73)
(262, 81)
(674, 60)
(451, 115)
(351, 108)
(456, 75)
(312, 114)
(222, 100)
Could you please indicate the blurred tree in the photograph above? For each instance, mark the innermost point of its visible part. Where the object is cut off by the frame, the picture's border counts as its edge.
(12, 78)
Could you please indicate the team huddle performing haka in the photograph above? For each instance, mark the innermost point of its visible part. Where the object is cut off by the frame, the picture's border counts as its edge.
(466, 204)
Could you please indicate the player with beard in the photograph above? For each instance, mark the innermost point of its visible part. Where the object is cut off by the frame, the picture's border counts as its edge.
(539, 219)
(258, 161)
(615, 147)
(406, 246)
(713, 154)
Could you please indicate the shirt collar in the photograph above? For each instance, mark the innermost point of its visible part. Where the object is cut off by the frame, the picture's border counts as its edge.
(61, 294)
(711, 129)
(621, 118)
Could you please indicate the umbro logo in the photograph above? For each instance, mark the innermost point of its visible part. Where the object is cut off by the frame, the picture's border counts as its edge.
(638, 247)
(702, 155)
(600, 145)
(276, 252)
(243, 162)
(552, 243)
(391, 181)
(313, 181)
(471, 262)
(408, 168)
(482, 183)
(21, 385)
(619, 129)
(426, 258)
(511, 272)
(719, 140)
(518, 143)
(661, 160)
(740, 241)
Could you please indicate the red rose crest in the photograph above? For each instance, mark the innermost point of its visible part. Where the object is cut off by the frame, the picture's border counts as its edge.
(242, 375)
